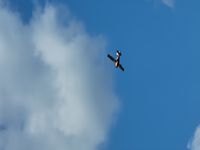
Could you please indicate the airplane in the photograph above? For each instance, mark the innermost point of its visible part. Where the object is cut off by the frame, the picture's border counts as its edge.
(117, 60)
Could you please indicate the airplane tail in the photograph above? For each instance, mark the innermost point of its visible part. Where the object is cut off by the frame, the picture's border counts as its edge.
(120, 53)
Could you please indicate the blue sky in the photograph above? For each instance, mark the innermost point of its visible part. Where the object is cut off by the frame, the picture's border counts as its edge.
(159, 90)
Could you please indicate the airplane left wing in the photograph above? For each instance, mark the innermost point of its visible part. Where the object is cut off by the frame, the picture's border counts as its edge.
(111, 58)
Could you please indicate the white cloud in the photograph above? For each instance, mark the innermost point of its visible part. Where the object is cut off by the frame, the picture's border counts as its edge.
(194, 144)
(55, 89)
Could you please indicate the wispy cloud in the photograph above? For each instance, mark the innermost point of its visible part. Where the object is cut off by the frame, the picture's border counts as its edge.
(169, 3)
(55, 90)
(194, 144)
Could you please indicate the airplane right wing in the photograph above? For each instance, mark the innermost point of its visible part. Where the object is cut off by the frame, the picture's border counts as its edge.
(111, 58)
(120, 66)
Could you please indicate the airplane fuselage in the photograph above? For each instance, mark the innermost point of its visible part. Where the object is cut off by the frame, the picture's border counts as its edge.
(117, 62)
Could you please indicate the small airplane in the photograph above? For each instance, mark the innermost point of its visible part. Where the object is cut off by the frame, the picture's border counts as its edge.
(117, 60)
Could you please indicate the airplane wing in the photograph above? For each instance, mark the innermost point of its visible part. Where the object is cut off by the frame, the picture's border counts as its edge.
(111, 58)
(120, 66)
